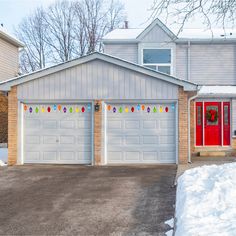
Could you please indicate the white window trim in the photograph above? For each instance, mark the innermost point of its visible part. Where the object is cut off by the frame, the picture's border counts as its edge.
(170, 46)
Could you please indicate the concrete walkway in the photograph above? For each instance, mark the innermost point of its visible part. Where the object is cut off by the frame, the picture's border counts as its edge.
(201, 161)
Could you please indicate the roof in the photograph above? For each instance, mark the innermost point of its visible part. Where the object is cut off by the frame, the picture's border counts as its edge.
(7, 84)
(187, 34)
(9, 38)
(123, 34)
(218, 90)
(135, 34)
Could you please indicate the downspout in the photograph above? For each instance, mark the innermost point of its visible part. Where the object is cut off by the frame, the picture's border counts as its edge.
(189, 101)
(188, 62)
(189, 133)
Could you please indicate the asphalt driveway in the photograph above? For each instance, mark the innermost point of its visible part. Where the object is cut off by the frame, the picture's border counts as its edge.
(80, 200)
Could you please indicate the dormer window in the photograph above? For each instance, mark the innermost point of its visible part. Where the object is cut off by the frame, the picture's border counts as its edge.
(158, 59)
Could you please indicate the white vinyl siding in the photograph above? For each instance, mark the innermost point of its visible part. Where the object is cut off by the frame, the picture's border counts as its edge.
(8, 60)
(128, 52)
(210, 64)
(156, 35)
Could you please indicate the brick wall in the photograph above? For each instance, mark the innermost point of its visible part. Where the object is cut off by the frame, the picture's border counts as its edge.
(12, 126)
(183, 125)
(3, 117)
(98, 135)
(192, 126)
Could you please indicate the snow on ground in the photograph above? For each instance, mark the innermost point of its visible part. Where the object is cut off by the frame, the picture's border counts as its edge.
(2, 163)
(169, 233)
(206, 201)
(3, 156)
(170, 222)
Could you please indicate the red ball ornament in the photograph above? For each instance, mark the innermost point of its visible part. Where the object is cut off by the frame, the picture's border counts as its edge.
(166, 109)
(132, 109)
(49, 109)
(83, 109)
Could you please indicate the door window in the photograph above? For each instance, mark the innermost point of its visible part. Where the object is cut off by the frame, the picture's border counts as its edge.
(199, 115)
(226, 115)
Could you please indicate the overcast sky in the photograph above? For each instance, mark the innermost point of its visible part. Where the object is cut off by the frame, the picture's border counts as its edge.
(12, 11)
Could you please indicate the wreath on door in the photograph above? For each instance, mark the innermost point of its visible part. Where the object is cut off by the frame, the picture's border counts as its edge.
(212, 115)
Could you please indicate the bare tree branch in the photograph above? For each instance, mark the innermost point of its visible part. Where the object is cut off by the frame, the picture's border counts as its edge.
(211, 12)
(66, 30)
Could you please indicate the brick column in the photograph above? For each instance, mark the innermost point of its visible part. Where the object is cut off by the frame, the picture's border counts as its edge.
(3, 117)
(192, 127)
(12, 126)
(98, 135)
(183, 126)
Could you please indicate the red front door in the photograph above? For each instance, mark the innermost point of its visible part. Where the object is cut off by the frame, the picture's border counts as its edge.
(212, 124)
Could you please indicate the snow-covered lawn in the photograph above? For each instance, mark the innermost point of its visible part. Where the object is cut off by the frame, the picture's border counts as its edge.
(3, 156)
(206, 201)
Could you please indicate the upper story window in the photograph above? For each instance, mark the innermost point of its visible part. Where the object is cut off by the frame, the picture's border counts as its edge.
(158, 59)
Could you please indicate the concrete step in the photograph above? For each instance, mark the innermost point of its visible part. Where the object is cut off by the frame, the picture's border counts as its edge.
(212, 154)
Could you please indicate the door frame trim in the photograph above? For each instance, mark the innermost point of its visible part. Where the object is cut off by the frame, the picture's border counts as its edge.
(20, 124)
(203, 104)
(128, 101)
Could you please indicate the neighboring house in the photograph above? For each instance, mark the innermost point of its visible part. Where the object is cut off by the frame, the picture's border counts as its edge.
(118, 109)
(9, 67)
(196, 56)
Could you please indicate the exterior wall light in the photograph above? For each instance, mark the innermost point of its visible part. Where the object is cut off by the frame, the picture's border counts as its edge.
(96, 107)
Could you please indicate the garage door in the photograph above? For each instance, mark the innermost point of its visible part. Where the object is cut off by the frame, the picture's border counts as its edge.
(141, 133)
(57, 133)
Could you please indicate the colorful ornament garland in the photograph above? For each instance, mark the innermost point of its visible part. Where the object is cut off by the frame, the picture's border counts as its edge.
(138, 108)
(56, 108)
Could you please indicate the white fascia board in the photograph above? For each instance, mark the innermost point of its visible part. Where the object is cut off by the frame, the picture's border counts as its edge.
(11, 39)
(188, 86)
(193, 40)
(120, 41)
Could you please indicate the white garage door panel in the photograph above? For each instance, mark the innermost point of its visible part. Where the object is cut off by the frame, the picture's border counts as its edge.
(140, 136)
(57, 136)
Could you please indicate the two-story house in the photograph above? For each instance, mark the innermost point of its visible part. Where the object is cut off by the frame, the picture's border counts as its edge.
(204, 57)
(9, 67)
(152, 97)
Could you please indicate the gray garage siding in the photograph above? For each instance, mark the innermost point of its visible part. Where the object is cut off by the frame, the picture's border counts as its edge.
(96, 80)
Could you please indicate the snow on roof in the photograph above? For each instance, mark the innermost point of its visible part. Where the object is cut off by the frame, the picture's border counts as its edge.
(217, 90)
(195, 33)
(198, 33)
(8, 37)
(123, 34)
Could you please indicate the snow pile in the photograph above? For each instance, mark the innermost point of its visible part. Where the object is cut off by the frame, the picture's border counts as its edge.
(171, 224)
(2, 163)
(206, 201)
(3, 156)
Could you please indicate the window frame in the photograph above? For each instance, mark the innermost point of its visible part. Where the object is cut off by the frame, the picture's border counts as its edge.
(158, 64)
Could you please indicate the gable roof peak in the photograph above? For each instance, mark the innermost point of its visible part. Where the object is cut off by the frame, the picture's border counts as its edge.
(158, 22)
